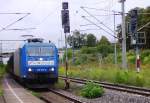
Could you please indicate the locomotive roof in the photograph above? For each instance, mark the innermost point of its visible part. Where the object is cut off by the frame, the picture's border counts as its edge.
(40, 44)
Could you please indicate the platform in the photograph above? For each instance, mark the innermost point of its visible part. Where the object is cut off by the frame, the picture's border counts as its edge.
(14, 93)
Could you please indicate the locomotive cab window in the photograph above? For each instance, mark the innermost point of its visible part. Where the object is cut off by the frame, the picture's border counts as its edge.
(40, 51)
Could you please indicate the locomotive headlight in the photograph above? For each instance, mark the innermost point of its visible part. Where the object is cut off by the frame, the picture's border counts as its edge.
(52, 69)
(41, 59)
(29, 69)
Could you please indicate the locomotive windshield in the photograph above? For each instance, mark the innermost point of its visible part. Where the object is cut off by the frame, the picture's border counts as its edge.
(40, 51)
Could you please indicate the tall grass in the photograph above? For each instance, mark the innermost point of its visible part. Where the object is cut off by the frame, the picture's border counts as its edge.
(2, 72)
(109, 73)
(87, 65)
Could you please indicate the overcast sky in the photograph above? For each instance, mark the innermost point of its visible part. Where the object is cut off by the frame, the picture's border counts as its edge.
(45, 17)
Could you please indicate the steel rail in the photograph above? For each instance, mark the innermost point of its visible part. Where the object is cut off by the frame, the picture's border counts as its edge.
(112, 84)
(67, 97)
(118, 87)
(59, 93)
(3, 99)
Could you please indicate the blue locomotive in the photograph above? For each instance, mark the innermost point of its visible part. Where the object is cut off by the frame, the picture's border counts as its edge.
(35, 63)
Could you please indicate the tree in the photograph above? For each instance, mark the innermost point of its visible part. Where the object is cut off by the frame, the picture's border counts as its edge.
(104, 41)
(91, 40)
(104, 46)
(76, 40)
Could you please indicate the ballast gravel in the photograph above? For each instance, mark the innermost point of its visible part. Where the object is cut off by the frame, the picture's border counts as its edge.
(112, 96)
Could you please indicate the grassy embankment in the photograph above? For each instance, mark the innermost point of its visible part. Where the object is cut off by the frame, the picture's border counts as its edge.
(2, 72)
(110, 73)
(88, 65)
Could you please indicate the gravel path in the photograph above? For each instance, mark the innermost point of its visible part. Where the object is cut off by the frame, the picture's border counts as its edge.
(111, 96)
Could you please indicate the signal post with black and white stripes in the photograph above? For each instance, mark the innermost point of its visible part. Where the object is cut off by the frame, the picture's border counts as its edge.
(66, 27)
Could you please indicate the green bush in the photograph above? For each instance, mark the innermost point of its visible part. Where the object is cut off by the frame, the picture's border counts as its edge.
(140, 80)
(69, 54)
(85, 58)
(145, 53)
(105, 49)
(130, 78)
(92, 90)
(2, 73)
(121, 77)
(81, 59)
(110, 58)
(145, 56)
(77, 61)
(131, 59)
(146, 60)
(2, 70)
(92, 58)
(88, 50)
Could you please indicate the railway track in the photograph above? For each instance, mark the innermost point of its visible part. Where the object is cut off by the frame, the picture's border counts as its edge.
(3, 99)
(118, 87)
(58, 96)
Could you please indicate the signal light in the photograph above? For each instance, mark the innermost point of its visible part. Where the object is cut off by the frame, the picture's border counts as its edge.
(133, 21)
(67, 29)
(65, 5)
(65, 17)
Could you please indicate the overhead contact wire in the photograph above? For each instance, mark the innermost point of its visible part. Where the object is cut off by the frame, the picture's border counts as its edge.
(97, 19)
(14, 22)
(99, 27)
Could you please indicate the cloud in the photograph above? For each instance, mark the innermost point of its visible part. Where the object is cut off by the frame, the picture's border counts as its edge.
(45, 16)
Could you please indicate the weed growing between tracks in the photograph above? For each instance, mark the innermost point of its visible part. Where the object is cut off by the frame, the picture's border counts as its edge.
(92, 90)
(60, 84)
(35, 93)
(89, 90)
